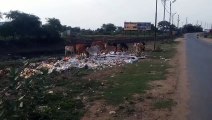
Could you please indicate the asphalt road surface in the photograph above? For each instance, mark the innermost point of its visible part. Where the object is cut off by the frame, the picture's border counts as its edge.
(199, 63)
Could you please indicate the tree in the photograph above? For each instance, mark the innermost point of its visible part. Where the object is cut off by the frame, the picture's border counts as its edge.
(189, 28)
(52, 29)
(164, 26)
(1, 15)
(24, 25)
(119, 30)
(54, 24)
(108, 28)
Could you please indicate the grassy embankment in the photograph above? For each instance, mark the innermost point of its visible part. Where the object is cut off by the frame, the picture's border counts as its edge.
(135, 77)
(65, 95)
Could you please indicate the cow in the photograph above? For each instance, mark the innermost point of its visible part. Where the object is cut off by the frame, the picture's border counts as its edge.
(122, 47)
(99, 46)
(81, 50)
(110, 47)
(69, 49)
(139, 48)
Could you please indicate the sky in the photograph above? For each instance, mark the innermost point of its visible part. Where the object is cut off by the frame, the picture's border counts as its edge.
(91, 14)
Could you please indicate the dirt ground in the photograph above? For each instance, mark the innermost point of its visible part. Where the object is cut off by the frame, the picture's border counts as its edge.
(141, 107)
(208, 40)
(182, 92)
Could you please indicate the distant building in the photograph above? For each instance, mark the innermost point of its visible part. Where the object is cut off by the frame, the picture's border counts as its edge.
(137, 26)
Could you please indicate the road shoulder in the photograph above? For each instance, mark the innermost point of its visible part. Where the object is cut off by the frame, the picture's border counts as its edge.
(207, 40)
(181, 111)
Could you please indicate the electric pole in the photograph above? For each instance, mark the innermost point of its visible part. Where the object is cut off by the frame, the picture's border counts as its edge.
(170, 12)
(186, 20)
(178, 21)
(164, 11)
(173, 18)
(170, 18)
(156, 18)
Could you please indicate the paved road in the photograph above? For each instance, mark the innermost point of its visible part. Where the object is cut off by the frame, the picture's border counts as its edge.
(199, 56)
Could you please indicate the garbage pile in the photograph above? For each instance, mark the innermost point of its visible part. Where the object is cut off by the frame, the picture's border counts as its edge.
(96, 62)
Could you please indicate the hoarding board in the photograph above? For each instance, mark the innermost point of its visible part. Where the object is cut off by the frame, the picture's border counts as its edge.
(130, 26)
(135, 26)
(144, 26)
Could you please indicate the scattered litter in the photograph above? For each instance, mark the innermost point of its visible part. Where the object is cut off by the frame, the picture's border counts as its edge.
(95, 62)
(50, 92)
(112, 112)
(27, 73)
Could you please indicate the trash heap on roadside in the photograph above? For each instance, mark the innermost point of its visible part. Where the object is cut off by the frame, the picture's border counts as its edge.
(96, 62)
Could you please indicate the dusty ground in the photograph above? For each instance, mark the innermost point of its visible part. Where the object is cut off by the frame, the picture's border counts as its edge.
(141, 107)
(208, 40)
(182, 92)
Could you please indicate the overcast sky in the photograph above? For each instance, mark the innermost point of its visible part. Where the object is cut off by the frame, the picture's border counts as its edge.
(93, 13)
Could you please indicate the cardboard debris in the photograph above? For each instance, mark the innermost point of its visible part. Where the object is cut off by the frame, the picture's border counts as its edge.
(95, 61)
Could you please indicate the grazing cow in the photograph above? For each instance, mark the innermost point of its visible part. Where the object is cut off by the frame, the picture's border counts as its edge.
(139, 48)
(100, 44)
(81, 49)
(94, 50)
(122, 47)
(110, 47)
(69, 49)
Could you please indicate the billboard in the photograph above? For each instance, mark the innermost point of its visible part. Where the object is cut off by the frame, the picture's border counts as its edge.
(137, 26)
(144, 26)
(130, 26)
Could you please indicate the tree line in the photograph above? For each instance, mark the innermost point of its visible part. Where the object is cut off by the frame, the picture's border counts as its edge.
(28, 28)
(164, 26)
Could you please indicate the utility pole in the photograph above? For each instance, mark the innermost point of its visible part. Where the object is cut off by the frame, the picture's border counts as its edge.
(173, 18)
(170, 17)
(170, 12)
(164, 11)
(186, 20)
(156, 18)
(178, 21)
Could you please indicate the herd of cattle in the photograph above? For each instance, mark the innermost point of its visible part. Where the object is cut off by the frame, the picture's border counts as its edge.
(85, 50)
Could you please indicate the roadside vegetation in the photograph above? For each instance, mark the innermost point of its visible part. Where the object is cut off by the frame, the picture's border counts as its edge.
(65, 95)
(163, 104)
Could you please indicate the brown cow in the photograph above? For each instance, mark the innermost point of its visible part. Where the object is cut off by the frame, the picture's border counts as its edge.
(81, 49)
(110, 47)
(100, 44)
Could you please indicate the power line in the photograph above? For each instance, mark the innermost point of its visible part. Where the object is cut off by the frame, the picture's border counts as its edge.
(166, 8)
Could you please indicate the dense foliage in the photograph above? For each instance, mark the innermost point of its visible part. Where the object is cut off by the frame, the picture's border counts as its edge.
(189, 28)
(28, 28)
